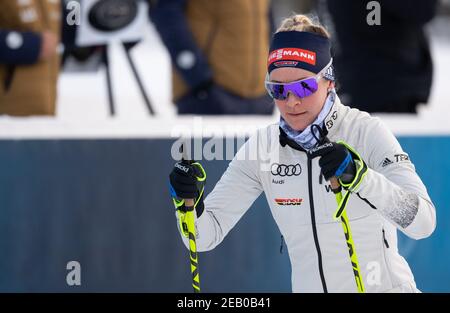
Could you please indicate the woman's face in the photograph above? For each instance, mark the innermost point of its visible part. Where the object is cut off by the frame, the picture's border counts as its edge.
(300, 112)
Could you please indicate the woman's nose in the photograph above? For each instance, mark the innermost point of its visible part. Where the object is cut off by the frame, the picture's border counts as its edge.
(293, 100)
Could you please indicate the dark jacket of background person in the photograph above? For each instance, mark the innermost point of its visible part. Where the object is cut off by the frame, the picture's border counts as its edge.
(229, 42)
(28, 86)
(386, 68)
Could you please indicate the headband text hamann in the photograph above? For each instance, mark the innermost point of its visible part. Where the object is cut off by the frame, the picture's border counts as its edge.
(303, 50)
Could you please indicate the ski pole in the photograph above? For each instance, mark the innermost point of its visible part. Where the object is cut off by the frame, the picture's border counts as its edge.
(337, 190)
(186, 211)
(188, 226)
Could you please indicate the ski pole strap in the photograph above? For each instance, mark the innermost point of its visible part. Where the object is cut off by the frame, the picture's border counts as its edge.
(361, 171)
(202, 176)
(342, 204)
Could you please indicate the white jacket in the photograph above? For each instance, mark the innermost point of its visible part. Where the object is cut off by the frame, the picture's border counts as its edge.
(390, 197)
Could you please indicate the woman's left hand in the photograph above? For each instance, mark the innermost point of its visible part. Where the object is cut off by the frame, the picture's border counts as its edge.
(335, 161)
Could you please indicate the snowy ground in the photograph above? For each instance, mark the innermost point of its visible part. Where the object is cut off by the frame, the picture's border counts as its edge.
(83, 108)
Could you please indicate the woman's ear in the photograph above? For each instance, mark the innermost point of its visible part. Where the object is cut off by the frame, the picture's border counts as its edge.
(330, 85)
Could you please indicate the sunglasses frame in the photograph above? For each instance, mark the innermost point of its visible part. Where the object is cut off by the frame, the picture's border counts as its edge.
(317, 77)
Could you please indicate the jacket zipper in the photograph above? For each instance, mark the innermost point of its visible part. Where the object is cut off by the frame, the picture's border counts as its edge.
(314, 229)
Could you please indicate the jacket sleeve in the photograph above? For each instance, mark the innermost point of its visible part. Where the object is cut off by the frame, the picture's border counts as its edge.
(19, 48)
(169, 19)
(232, 196)
(393, 187)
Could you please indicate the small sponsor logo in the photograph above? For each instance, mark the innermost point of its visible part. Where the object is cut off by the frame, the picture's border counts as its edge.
(285, 63)
(292, 54)
(285, 170)
(182, 167)
(326, 145)
(333, 117)
(289, 201)
(401, 157)
(386, 162)
(278, 181)
(329, 124)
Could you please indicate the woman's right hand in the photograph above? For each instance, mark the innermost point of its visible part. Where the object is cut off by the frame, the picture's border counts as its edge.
(187, 182)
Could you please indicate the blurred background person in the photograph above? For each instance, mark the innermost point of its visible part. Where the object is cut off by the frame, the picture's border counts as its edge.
(386, 67)
(29, 62)
(218, 51)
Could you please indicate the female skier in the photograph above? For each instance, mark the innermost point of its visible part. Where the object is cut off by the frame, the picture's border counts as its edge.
(318, 141)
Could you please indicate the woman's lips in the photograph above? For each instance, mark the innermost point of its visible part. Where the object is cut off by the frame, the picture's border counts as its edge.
(296, 114)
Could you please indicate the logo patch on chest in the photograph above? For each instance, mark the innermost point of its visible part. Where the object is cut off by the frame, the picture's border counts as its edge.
(288, 201)
(278, 181)
(286, 170)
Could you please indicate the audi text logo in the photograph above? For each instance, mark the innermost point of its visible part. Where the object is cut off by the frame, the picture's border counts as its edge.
(286, 170)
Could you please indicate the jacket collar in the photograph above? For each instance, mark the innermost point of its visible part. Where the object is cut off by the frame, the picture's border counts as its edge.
(285, 140)
(331, 124)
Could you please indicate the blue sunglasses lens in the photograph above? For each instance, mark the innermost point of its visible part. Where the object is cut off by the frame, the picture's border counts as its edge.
(302, 88)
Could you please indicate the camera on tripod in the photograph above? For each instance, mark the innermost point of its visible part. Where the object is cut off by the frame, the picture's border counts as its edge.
(99, 24)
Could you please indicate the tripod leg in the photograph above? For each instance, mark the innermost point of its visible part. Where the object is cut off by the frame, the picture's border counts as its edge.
(105, 59)
(128, 47)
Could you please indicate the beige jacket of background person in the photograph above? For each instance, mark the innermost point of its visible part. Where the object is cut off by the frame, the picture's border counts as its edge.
(234, 36)
(32, 88)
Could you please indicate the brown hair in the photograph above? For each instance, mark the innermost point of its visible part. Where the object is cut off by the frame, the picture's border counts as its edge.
(303, 23)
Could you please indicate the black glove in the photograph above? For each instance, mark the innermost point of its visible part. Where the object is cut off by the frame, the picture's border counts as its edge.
(187, 181)
(335, 161)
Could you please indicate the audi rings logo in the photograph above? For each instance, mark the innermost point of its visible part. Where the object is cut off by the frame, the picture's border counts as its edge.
(286, 170)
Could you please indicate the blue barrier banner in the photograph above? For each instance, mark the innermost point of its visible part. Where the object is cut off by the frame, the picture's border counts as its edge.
(429, 258)
(96, 216)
